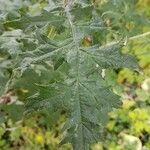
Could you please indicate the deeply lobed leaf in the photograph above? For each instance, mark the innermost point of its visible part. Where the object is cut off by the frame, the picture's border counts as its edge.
(69, 74)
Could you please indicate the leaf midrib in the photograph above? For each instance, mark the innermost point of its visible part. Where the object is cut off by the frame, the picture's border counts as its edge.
(73, 30)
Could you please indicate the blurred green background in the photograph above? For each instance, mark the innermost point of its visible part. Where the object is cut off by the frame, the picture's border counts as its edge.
(129, 126)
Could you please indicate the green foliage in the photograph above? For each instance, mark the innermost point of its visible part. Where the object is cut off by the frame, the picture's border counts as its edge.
(58, 72)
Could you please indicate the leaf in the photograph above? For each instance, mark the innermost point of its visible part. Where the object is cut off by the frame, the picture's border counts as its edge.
(83, 93)
(12, 111)
(111, 57)
(8, 41)
(63, 75)
(29, 21)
